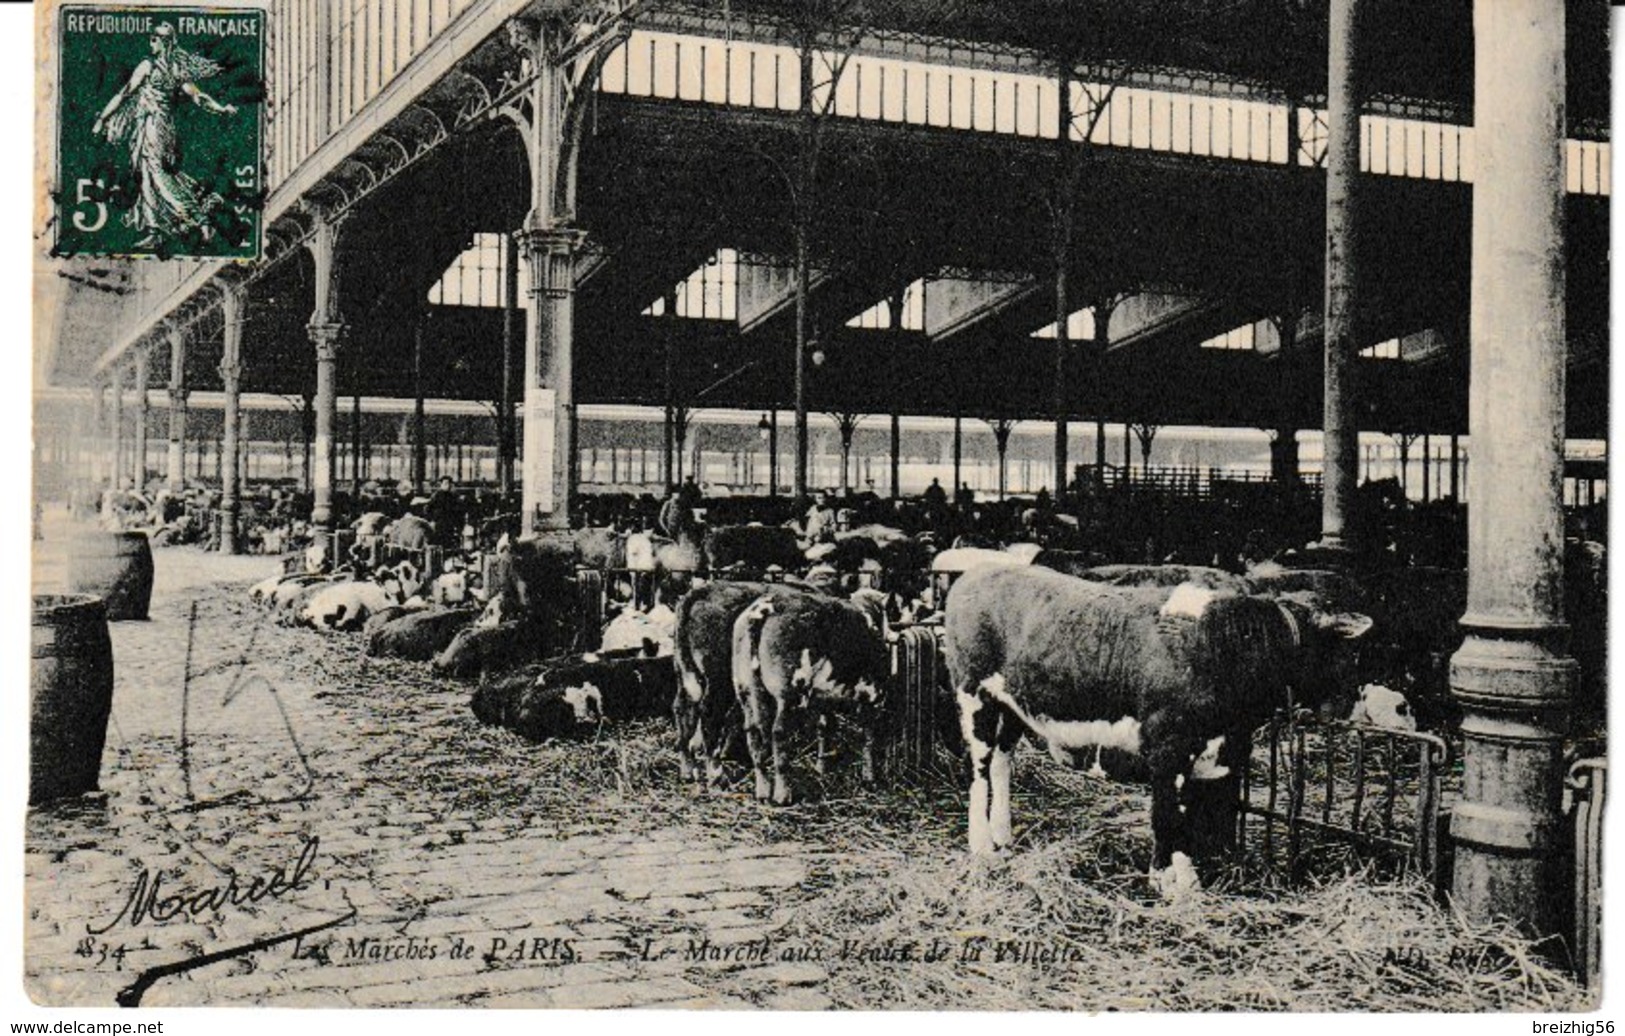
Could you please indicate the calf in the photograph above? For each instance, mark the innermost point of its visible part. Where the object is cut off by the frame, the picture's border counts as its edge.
(476, 650)
(804, 655)
(1148, 575)
(575, 695)
(1384, 708)
(705, 708)
(1180, 678)
(345, 606)
(751, 548)
(649, 631)
(379, 619)
(419, 636)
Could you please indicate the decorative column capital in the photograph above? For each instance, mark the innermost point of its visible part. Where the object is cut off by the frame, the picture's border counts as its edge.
(553, 238)
(327, 338)
(550, 250)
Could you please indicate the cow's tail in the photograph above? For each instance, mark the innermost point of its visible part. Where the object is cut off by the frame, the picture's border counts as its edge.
(755, 618)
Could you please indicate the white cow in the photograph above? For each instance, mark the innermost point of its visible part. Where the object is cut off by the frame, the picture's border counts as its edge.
(1382, 707)
(635, 629)
(347, 606)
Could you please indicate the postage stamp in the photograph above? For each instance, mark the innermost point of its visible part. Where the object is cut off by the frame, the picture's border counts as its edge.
(160, 143)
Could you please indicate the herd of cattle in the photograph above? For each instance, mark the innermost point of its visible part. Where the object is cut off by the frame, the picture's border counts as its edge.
(747, 638)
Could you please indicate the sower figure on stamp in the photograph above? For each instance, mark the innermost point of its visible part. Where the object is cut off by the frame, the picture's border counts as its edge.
(140, 117)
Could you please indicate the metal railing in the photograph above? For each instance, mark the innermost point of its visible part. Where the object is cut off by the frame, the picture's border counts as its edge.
(1377, 792)
(1587, 790)
(921, 709)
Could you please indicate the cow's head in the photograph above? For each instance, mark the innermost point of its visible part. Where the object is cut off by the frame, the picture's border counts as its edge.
(1327, 643)
(565, 699)
(1379, 706)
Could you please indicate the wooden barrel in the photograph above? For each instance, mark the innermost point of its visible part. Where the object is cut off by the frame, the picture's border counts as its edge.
(115, 566)
(70, 695)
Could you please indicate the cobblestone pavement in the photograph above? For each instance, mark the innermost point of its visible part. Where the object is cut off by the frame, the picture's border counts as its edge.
(462, 865)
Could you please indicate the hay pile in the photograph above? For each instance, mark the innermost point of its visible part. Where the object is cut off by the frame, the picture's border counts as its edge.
(1085, 945)
(1080, 928)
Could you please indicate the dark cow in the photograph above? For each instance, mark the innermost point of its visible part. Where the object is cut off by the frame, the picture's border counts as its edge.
(495, 699)
(1327, 585)
(576, 695)
(476, 649)
(1150, 575)
(384, 616)
(1418, 611)
(1180, 677)
(752, 548)
(1069, 561)
(705, 708)
(419, 636)
(536, 581)
(804, 656)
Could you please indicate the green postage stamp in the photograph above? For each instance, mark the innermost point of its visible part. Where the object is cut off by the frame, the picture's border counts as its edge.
(159, 132)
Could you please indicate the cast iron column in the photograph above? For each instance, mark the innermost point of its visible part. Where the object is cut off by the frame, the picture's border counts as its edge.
(549, 375)
(326, 338)
(326, 330)
(142, 370)
(231, 371)
(550, 243)
(98, 438)
(176, 474)
(116, 438)
(1342, 226)
(896, 450)
(510, 311)
(1512, 674)
(773, 452)
(420, 459)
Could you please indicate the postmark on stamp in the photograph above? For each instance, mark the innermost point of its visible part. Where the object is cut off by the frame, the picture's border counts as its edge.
(159, 138)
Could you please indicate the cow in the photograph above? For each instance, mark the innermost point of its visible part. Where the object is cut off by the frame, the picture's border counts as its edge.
(1178, 677)
(1150, 575)
(535, 579)
(420, 635)
(476, 649)
(585, 692)
(370, 524)
(1383, 707)
(264, 592)
(573, 696)
(453, 586)
(705, 708)
(800, 656)
(409, 532)
(345, 606)
(1071, 562)
(383, 617)
(635, 629)
(966, 559)
(751, 548)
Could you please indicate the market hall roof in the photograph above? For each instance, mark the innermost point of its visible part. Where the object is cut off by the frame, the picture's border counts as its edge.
(659, 196)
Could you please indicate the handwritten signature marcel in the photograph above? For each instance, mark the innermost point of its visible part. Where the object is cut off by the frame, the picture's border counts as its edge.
(149, 901)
